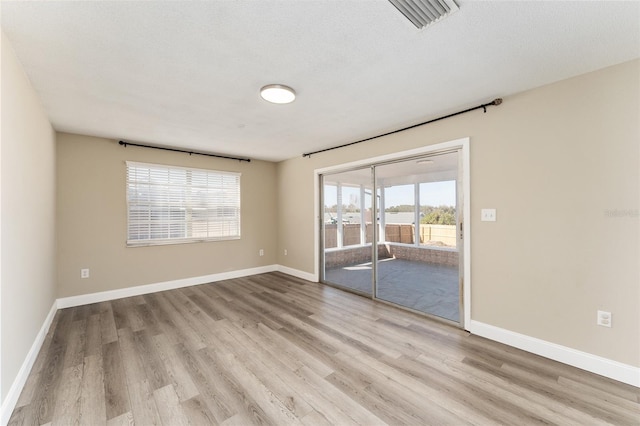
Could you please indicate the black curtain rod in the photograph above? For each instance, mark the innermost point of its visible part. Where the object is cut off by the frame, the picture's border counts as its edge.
(495, 102)
(125, 144)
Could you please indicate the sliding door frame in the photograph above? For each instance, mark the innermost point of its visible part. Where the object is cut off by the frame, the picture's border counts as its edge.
(461, 144)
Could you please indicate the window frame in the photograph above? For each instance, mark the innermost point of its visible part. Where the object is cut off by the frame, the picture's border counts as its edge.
(186, 203)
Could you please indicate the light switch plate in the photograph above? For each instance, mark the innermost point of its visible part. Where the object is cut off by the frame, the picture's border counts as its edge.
(488, 215)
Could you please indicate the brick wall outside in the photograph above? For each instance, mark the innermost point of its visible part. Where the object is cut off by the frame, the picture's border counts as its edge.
(362, 254)
(421, 254)
(352, 256)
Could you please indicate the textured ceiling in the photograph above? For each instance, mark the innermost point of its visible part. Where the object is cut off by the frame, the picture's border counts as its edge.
(187, 74)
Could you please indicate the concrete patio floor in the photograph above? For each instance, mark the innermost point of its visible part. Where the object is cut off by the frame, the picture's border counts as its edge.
(430, 288)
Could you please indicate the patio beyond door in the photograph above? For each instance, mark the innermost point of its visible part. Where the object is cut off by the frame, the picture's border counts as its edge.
(417, 227)
(418, 267)
(348, 230)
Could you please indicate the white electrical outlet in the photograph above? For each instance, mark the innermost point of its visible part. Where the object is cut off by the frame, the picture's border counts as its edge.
(285, 252)
(488, 215)
(84, 273)
(261, 252)
(604, 318)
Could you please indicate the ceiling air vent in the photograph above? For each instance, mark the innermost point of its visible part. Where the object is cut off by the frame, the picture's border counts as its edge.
(423, 13)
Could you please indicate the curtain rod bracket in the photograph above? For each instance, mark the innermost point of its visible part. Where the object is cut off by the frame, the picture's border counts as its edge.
(495, 102)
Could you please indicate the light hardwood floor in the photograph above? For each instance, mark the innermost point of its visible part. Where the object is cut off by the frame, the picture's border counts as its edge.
(272, 349)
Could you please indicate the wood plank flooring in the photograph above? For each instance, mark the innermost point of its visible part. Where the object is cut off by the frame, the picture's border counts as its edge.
(272, 349)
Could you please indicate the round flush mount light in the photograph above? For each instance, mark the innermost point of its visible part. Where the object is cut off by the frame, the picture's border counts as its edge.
(278, 94)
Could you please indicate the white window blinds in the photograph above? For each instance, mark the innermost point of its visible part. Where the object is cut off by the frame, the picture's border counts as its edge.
(168, 205)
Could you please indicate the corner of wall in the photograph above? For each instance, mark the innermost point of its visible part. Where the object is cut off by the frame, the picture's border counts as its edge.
(27, 227)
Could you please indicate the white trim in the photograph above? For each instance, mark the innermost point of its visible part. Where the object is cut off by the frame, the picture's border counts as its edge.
(316, 225)
(85, 299)
(10, 401)
(466, 242)
(603, 366)
(297, 273)
(462, 143)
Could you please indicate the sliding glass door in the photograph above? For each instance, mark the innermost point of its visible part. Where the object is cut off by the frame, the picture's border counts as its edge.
(415, 219)
(418, 264)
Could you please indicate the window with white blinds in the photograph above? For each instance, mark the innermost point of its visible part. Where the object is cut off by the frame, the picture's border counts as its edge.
(170, 205)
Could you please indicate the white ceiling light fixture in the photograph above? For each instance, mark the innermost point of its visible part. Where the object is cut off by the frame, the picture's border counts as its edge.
(423, 13)
(278, 94)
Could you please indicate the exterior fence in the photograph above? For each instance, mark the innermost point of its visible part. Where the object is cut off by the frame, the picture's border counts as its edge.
(430, 235)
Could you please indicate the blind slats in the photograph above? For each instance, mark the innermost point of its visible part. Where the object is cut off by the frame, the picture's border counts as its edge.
(168, 205)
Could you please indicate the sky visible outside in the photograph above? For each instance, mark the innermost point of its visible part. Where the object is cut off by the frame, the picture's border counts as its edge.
(431, 194)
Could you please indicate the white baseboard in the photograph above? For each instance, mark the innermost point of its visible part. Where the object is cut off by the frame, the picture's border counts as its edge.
(10, 401)
(85, 299)
(297, 273)
(603, 366)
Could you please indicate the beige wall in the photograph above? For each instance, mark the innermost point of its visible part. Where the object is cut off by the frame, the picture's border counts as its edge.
(28, 217)
(553, 161)
(92, 219)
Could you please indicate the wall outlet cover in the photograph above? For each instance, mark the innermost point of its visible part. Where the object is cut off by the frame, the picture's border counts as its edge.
(488, 215)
